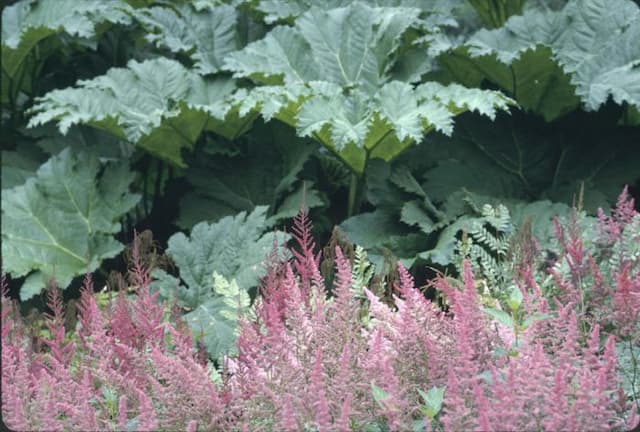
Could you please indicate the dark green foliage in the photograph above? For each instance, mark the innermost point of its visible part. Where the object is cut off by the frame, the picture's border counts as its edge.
(356, 109)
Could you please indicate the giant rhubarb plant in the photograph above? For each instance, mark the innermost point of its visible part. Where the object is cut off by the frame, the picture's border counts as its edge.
(74, 231)
(553, 61)
(334, 77)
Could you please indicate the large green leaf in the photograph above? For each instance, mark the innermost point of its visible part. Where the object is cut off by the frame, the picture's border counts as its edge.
(495, 13)
(438, 12)
(513, 158)
(398, 115)
(218, 263)
(269, 169)
(436, 189)
(157, 104)
(20, 164)
(536, 82)
(28, 22)
(358, 127)
(206, 36)
(336, 69)
(351, 47)
(543, 57)
(81, 138)
(381, 235)
(215, 321)
(234, 246)
(61, 222)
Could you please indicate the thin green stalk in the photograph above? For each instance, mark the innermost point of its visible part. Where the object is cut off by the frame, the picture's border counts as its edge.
(353, 192)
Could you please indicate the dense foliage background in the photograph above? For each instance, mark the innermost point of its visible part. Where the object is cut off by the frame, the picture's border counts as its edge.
(160, 115)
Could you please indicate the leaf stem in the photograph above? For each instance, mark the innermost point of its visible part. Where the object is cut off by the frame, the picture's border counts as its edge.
(353, 192)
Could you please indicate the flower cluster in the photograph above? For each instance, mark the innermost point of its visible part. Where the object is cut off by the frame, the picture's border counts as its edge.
(313, 357)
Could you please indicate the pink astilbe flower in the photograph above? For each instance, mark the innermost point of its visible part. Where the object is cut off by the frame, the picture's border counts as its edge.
(611, 227)
(472, 347)
(289, 422)
(306, 349)
(89, 316)
(343, 388)
(626, 302)
(471, 324)
(574, 254)
(122, 323)
(557, 387)
(419, 331)
(16, 385)
(147, 420)
(183, 386)
(393, 408)
(313, 357)
(318, 395)
(158, 385)
(306, 262)
(61, 351)
(149, 311)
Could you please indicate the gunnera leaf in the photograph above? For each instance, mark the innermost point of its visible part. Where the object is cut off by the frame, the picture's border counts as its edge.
(350, 47)
(20, 164)
(158, 104)
(434, 12)
(380, 233)
(541, 58)
(207, 36)
(215, 321)
(272, 159)
(234, 246)
(60, 223)
(330, 77)
(516, 158)
(218, 263)
(27, 22)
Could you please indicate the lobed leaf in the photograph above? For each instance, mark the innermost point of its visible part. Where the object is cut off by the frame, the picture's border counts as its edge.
(270, 168)
(157, 104)
(207, 36)
(28, 22)
(234, 246)
(60, 223)
(548, 59)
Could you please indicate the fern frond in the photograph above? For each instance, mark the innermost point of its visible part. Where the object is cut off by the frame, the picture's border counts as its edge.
(362, 272)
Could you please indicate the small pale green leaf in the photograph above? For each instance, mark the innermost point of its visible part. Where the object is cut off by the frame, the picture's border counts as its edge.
(499, 315)
(379, 395)
(515, 298)
(432, 401)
